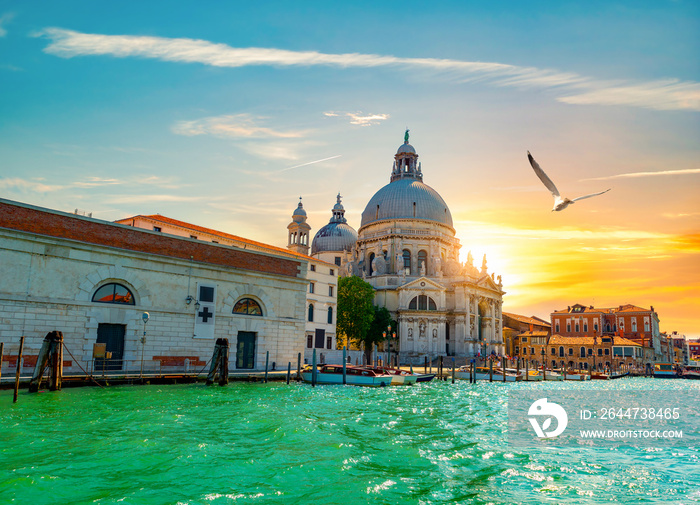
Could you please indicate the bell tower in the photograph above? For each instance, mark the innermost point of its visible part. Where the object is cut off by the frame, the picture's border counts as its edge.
(298, 231)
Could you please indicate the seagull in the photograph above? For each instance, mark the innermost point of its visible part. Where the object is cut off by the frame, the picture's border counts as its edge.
(559, 202)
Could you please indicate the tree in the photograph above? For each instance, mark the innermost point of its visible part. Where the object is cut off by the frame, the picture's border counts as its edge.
(355, 311)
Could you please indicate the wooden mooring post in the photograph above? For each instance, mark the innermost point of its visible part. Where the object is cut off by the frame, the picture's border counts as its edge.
(219, 363)
(19, 368)
(267, 362)
(473, 372)
(51, 354)
(2, 348)
(345, 362)
(299, 366)
(313, 369)
(289, 371)
(490, 369)
(503, 366)
(527, 371)
(453, 370)
(425, 364)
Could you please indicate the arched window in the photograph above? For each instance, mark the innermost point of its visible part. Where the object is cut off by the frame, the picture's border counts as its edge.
(561, 351)
(311, 312)
(371, 259)
(554, 351)
(583, 352)
(330, 315)
(422, 302)
(423, 260)
(247, 306)
(114, 293)
(407, 261)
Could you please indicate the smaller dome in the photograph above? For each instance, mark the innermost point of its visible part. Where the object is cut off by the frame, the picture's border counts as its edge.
(406, 148)
(334, 237)
(299, 211)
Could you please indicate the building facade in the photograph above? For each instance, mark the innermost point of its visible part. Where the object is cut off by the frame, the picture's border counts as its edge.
(94, 280)
(628, 321)
(407, 250)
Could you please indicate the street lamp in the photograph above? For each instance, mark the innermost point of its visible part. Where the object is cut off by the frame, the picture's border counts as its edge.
(145, 316)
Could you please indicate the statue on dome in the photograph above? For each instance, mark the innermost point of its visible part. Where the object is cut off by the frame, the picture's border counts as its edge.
(483, 265)
(405, 136)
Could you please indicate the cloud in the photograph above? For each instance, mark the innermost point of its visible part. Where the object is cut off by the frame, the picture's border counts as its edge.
(647, 174)
(311, 163)
(4, 19)
(121, 199)
(231, 126)
(93, 182)
(571, 88)
(359, 118)
(25, 185)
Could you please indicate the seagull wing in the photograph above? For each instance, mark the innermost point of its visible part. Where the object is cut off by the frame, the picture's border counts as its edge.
(543, 177)
(589, 196)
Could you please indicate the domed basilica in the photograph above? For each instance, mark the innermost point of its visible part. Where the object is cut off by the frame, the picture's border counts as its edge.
(407, 250)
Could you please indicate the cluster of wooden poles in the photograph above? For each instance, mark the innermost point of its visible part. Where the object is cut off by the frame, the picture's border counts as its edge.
(50, 358)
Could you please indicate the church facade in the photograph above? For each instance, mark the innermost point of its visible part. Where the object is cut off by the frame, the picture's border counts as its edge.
(407, 250)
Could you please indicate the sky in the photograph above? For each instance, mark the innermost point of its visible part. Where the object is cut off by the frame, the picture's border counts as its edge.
(223, 114)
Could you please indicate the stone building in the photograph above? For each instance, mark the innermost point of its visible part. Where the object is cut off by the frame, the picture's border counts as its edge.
(321, 296)
(524, 336)
(93, 280)
(407, 250)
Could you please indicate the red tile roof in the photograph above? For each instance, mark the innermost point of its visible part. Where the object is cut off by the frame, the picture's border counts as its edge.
(36, 220)
(210, 231)
(527, 320)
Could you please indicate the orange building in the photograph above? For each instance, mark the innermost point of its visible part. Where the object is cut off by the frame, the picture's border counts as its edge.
(634, 323)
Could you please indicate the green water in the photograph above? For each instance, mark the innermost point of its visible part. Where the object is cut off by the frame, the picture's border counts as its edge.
(273, 443)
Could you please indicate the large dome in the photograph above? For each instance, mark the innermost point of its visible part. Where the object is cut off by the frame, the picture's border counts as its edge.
(407, 199)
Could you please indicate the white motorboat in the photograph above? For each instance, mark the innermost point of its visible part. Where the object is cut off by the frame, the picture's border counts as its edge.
(354, 375)
(398, 377)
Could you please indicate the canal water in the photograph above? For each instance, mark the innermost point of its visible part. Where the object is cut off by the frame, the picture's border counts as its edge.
(274, 443)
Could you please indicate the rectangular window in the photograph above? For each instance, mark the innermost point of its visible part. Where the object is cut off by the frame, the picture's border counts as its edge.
(330, 290)
(585, 327)
(337, 260)
(156, 228)
(600, 352)
(329, 342)
(332, 272)
(311, 287)
(607, 352)
(309, 341)
(576, 327)
(312, 267)
(571, 351)
(556, 328)
(193, 236)
(568, 327)
(595, 326)
(524, 339)
(206, 294)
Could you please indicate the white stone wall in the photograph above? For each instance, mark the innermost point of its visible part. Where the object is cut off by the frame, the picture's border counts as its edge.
(47, 284)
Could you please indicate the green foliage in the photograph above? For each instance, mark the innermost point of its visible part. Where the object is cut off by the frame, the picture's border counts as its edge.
(355, 309)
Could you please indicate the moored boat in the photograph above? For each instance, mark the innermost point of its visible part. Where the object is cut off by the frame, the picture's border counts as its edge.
(600, 376)
(425, 377)
(691, 372)
(398, 377)
(576, 375)
(354, 375)
(484, 373)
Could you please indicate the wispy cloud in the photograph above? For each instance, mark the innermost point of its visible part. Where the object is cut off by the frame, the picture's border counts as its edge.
(17, 183)
(647, 174)
(121, 199)
(232, 126)
(569, 87)
(359, 118)
(93, 182)
(311, 163)
(4, 19)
